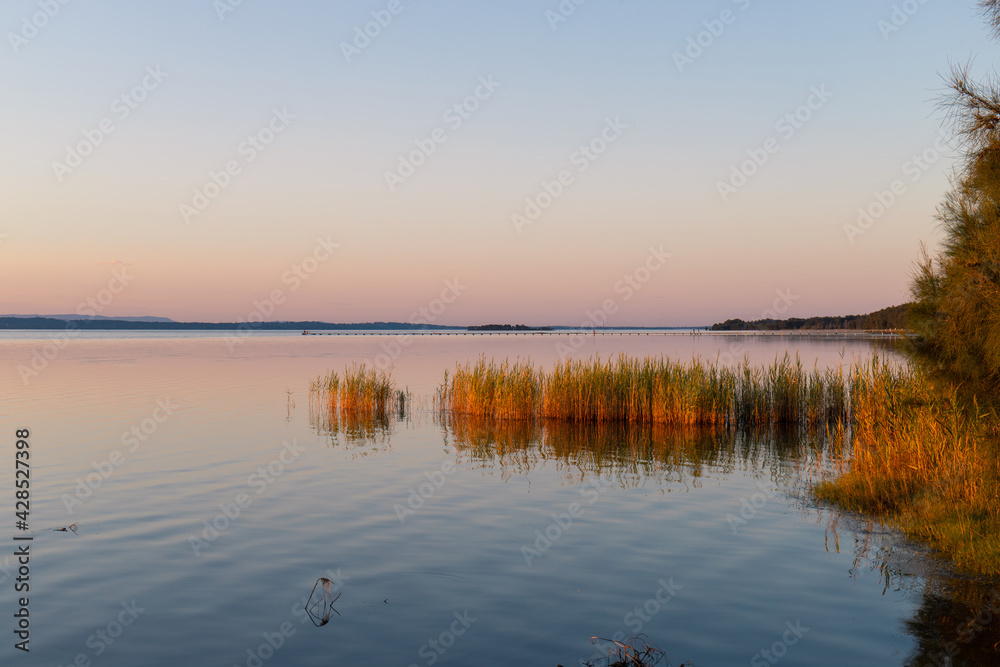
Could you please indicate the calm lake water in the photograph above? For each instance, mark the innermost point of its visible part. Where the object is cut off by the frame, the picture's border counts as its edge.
(208, 503)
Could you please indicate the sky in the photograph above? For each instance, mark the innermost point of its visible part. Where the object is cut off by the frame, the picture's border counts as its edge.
(634, 162)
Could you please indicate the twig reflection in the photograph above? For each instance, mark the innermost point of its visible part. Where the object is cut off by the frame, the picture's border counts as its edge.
(319, 606)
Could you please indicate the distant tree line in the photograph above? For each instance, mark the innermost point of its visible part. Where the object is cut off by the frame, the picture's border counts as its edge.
(894, 317)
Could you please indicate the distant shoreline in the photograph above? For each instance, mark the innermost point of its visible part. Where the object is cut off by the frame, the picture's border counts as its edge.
(887, 320)
(49, 323)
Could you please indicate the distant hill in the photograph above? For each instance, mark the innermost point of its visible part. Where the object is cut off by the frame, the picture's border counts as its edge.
(893, 317)
(162, 324)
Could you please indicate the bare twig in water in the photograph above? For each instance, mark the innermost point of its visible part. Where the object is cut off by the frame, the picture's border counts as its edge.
(636, 651)
(321, 609)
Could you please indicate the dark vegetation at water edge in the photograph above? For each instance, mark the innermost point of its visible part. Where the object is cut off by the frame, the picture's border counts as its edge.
(892, 318)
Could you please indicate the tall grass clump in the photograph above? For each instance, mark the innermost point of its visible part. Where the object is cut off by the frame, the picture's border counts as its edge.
(502, 391)
(363, 401)
(649, 391)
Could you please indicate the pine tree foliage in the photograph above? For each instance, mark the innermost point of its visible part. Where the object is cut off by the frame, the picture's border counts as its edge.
(956, 310)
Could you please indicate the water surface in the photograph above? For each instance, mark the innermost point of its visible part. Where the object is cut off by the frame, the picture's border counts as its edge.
(449, 543)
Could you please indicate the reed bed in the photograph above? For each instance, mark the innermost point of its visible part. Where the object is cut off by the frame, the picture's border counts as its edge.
(363, 402)
(649, 391)
(921, 458)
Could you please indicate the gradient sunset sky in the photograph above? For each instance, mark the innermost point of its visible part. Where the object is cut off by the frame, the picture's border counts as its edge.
(199, 78)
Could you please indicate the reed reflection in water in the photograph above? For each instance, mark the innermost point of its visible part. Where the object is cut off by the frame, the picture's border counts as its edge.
(631, 453)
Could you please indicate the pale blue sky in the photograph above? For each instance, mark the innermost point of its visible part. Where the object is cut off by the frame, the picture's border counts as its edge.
(324, 175)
